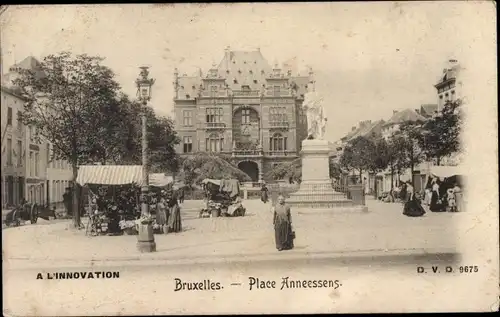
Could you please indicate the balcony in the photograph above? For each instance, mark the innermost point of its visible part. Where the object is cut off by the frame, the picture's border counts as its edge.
(246, 93)
(279, 124)
(281, 153)
(215, 125)
(247, 153)
(214, 94)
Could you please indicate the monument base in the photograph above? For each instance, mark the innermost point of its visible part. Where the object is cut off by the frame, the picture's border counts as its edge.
(316, 191)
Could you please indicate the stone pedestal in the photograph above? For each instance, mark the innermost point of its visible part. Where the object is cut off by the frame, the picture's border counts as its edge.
(145, 238)
(316, 190)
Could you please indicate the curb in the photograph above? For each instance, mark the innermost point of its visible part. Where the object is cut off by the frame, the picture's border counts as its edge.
(368, 257)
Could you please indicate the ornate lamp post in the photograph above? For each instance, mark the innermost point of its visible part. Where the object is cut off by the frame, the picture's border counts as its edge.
(145, 239)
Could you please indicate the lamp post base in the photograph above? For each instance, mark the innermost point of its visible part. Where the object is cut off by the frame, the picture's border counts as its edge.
(145, 239)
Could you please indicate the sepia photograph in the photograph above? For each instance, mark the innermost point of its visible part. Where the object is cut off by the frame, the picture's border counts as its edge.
(249, 158)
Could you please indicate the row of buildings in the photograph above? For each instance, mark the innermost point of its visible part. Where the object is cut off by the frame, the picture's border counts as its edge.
(448, 88)
(243, 107)
(27, 168)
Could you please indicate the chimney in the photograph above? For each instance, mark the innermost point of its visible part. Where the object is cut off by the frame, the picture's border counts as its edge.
(353, 128)
(227, 55)
(394, 112)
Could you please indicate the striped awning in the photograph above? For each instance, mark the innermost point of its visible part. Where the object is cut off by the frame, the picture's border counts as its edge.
(109, 174)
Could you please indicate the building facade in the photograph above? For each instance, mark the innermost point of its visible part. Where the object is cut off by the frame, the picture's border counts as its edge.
(449, 85)
(245, 108)
(27, 169)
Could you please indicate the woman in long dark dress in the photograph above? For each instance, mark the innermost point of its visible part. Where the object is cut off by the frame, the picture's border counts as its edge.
(264, 193)
(436, 200)
(412, 207)
(174, 217)
(282, 221)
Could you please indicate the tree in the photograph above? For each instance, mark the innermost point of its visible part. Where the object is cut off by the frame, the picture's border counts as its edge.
(197, 167)
(358, 155)
(289, 170)
(72, 106)
(410, 152)
(441, 134)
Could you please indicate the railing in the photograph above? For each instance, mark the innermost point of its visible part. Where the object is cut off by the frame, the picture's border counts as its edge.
(238, 152)
(245, 93)
(214, 94)
(279, 124)
(281, 153)
(215, 125)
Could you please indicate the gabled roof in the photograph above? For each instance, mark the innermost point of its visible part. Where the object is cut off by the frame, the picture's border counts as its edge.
(248, 68)
(428, 109)
(29, 62)
(405, 116)
(189, 85)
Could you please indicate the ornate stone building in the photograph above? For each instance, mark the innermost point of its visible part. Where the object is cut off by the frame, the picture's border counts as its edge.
(245, 108)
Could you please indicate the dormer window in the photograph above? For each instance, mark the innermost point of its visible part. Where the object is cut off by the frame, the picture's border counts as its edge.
(239, 71)
(194, 87)
(255, 81)
(227, 71)
(235, 81)
(250, 71)
(188, 96)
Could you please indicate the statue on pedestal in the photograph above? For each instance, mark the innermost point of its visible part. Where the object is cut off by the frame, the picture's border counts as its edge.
(316, 121)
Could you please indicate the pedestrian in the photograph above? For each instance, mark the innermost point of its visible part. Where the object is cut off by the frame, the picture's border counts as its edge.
(282, 221)
(180, 194)
(450, 196)
(264, 193)
(162, 212)
(436, 199)
(412, 206)
(68, 201)
(458, 197)
(174, 217)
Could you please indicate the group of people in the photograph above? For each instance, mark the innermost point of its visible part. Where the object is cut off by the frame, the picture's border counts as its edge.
(167, 209)
(443, 199)
(437, 199)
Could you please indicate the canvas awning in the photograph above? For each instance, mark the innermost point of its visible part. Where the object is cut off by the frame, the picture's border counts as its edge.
(213, 181)
(446, 171)
(160, 180)
(109, 174)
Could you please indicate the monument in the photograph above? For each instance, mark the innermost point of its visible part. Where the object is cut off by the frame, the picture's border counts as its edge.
(316, 191)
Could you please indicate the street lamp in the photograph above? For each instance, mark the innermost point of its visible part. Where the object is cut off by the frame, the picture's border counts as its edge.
(145, 239)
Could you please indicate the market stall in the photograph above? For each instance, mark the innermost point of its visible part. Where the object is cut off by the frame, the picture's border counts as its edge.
(114, 196)
(222, 198)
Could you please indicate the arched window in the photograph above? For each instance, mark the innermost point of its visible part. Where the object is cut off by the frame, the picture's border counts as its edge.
(277, 142)
(215, 142)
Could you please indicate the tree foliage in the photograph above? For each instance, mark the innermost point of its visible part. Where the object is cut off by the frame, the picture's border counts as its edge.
(359, 155)
(285, 171)
(441, 134)
(195, 168)
(71, 101)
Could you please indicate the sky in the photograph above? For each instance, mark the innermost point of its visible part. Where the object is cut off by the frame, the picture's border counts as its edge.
(369, 58)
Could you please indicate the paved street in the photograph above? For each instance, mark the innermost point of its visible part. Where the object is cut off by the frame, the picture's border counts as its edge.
(382, 231)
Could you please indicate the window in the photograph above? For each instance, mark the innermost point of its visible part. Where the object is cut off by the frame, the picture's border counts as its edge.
(9, 116)
(214, 143)
(19, 153)
(213, 90)
(187, 117)
(277, 142)
(188, 144)
(277, 115)
(276, 90)
(214, 115)
(37, 164)
(9, 152)
(19, 122)
(245, 116)
(31, 168)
